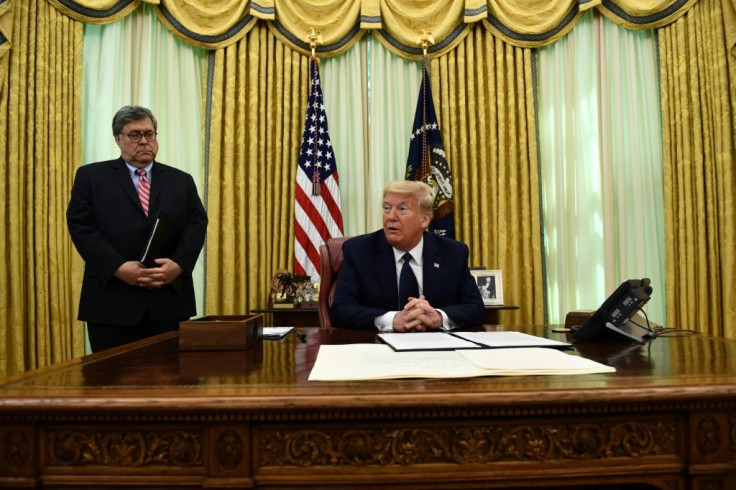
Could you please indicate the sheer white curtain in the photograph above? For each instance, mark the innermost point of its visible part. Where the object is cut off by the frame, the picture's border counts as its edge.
(370, 97)
(601, 165)
(395, 84)
(345, 94)
(137, 61)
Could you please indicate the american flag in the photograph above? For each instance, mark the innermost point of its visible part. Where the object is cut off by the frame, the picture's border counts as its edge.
(317, 215)
(427, 160)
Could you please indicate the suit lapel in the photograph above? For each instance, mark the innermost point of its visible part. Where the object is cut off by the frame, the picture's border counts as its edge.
(387, 271)
(122, 175)
(157, 184)
(431, 269)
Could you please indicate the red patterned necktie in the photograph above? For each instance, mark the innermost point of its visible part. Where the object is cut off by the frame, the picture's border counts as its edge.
(144, 189)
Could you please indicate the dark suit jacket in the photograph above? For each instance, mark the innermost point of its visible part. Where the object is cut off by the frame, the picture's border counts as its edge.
(367, 284)
(108, 227)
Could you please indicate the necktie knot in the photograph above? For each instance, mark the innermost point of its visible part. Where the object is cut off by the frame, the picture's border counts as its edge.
(141, 172)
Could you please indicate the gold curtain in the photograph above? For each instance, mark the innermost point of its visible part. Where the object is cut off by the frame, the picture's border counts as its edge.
(207, 26)
(529, 23)
(729, 20)
(40, 126)
(259, 93)
(97, 11)
(485, 90)
(336, 21)
(535, 23)
(6, 32)
(644, 14)
(698, 87)
(403, 22)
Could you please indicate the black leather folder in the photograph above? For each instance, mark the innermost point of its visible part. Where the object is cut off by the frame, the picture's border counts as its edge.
(161, 241)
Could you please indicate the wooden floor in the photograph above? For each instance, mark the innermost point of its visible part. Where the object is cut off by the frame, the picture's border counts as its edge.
(150, 415)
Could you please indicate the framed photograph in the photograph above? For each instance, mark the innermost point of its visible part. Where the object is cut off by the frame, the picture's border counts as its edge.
(490, 286)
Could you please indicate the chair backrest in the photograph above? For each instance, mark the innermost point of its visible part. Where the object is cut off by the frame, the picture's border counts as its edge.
(330, 258)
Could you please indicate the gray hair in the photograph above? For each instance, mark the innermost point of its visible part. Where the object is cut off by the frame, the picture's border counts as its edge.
(130, 113)
(424, 192)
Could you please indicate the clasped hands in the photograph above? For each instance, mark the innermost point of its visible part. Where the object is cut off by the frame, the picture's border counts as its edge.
(137, 274)
(417, 316)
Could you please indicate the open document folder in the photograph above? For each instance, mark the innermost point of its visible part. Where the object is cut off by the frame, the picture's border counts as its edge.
(378, 361)
(465, 340)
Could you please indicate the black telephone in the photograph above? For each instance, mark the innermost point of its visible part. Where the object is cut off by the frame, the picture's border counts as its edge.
(613, 319)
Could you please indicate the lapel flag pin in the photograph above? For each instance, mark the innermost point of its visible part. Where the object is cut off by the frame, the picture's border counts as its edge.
(436, 265)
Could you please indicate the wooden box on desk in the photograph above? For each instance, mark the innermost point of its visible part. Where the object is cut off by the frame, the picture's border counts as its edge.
(221, 332)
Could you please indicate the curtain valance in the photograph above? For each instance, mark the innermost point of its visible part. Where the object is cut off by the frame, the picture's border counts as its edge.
(534, 23)
(398, 23)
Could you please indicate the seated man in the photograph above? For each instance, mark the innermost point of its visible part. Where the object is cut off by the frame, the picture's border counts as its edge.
(380, 286)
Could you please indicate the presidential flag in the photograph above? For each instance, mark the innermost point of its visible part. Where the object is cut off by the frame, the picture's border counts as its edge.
(428, 162)
(317, 215)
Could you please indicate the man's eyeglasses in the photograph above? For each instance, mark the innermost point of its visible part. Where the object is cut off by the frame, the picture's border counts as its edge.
(135, 136)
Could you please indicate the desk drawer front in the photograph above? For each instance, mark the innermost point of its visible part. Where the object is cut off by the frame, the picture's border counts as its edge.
(423, 447)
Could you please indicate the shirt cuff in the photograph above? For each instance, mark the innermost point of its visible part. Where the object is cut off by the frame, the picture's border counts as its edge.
(447, 324)
(385, 322)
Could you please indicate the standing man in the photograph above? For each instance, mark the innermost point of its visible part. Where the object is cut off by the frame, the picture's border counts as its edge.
(110, 215)
(403, 279)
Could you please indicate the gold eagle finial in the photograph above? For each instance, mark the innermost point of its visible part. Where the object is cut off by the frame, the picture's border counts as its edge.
(315, 38)
(424, 39)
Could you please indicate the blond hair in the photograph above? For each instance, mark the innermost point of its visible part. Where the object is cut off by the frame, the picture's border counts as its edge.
(424, 192)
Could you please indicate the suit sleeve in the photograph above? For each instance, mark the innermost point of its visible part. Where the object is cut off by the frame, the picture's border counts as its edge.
(468, 309)
(192, 237)
(347, 310)
(96, 251)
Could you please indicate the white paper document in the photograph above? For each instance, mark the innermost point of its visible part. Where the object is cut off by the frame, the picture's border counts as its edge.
(425, 341)
(509, 339)
(379, 361)
(276, 332)
(533, 361)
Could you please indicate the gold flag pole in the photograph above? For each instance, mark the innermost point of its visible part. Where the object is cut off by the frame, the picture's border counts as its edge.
(315, 37)
(424, 39)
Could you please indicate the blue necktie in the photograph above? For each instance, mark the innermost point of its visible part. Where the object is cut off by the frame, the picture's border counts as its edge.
(408, 285)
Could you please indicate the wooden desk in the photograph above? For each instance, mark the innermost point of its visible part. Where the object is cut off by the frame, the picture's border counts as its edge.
(148, 414)
(297, 317)
(307, 317)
